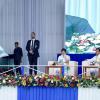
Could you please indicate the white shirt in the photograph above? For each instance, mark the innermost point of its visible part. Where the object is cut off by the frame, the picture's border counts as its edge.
(31, 42)
(62, 59)
(95, 59)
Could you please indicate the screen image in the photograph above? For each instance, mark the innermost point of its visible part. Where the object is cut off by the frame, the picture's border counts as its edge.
(86, 43)
(82, 32)
(2, 52)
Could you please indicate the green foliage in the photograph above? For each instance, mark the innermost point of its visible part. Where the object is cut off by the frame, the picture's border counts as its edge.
(48, 81)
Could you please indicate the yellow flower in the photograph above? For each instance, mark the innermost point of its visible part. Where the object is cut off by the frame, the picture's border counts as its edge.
(66, 85)
(30, 79)
(43, 75)
(65, 76)
(78, 85)
(64, 79)
(24, 82)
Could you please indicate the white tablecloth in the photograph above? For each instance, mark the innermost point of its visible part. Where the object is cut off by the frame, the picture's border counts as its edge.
(88, 94)
(8, 93)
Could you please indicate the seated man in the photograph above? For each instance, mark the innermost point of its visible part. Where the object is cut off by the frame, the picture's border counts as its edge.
(64, 59)
(95, 61)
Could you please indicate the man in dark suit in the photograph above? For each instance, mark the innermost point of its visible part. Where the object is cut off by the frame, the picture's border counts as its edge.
(18, 54)
(32, 48)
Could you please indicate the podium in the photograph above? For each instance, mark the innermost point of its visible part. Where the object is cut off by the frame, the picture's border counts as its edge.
(86, 68)
(53, 70)
(59, 69)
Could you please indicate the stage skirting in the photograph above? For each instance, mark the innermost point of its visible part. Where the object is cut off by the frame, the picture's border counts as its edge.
(47, 93)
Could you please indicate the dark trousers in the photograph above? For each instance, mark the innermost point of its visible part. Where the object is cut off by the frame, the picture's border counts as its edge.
(32, 61)
(17, 62)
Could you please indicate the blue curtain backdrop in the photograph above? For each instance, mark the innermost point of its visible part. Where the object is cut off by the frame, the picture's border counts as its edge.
(47, 93)
(79, 58)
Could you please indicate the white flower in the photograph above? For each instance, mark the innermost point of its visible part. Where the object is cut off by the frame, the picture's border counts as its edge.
(48, 80)
(9, 81)
(73, 78)
(35, 77)
(90, 78)
(43, 75)
(15, 76)
(4, 81)
(19, 77)
(65, 76)
(51, 81)
(40, 76)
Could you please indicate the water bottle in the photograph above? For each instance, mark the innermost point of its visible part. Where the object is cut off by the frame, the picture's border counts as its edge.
(57, 72)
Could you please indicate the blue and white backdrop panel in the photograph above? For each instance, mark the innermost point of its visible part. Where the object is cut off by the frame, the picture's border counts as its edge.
(8, 93)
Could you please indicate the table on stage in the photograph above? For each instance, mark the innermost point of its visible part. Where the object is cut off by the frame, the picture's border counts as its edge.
(85, 68)
(51, 70)
(59, 69)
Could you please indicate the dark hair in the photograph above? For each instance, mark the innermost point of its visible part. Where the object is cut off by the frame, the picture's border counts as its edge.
(16, 43)
(34, 33)
(63, 49)
(98, 49)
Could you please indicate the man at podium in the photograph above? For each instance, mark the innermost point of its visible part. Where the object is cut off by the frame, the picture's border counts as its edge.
(64, 59)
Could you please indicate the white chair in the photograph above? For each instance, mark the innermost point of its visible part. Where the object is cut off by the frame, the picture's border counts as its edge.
(51, 62)
(73, 68)
(85, 63)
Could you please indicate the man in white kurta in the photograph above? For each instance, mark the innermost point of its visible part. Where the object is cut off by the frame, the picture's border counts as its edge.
(64, 59)
(95, 60)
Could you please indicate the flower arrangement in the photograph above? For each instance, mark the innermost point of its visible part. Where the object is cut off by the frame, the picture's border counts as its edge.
(48, 81)
(88, 82)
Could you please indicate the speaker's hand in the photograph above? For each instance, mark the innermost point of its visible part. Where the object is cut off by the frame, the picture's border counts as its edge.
(31, 52)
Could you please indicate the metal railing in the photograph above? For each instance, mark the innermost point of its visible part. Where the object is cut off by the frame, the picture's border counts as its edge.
(14, 67)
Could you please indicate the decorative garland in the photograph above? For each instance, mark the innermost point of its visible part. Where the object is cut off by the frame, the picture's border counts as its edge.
(48, 81)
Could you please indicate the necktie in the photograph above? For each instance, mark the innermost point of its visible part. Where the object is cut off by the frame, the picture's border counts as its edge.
(32, 43)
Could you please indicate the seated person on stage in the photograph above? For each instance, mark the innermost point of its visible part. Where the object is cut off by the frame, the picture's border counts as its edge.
(95, 60)
(64, 59)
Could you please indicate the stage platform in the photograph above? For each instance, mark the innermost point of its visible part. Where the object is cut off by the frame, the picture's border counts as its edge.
(48, 93)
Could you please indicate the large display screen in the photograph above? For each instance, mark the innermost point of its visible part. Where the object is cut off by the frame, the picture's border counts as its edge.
(82, 26)
(2, 52)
